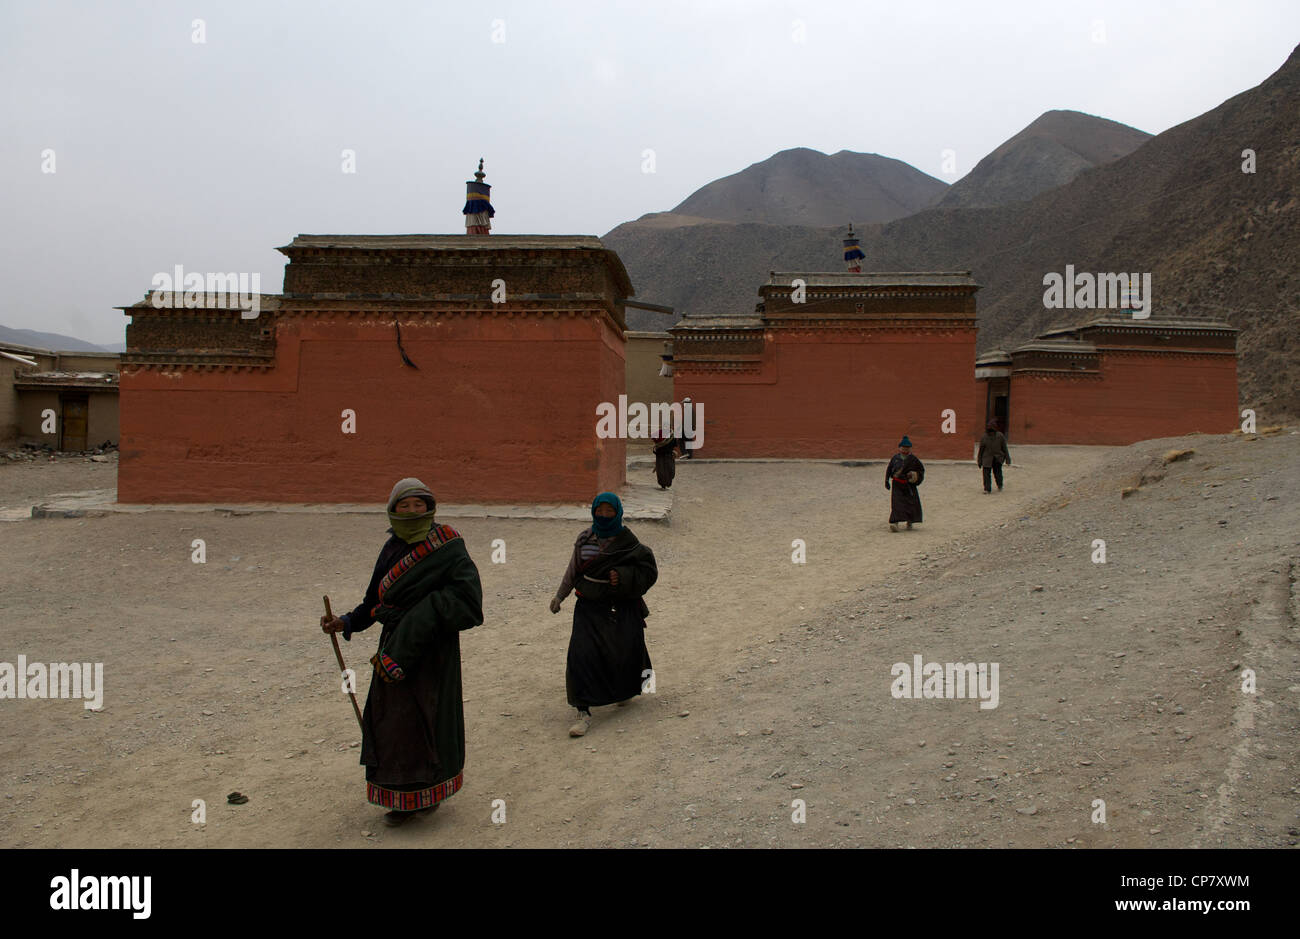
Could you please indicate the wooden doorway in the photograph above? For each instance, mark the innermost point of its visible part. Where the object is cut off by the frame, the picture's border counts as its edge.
(997, 408)
(74, 422)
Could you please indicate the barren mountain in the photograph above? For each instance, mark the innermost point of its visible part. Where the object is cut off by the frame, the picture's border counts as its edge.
(51, 341)
(1218, 241)
(807, 187)
(1050, 152)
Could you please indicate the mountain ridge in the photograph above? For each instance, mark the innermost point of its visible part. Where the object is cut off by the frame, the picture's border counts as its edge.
(1051, 151)
(51, 342)
(803, 186)
(1218, 241)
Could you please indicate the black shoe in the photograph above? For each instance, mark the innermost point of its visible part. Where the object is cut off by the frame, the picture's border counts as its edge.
(395, 818)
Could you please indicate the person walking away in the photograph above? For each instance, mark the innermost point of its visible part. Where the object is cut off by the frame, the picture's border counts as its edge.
(992, 454)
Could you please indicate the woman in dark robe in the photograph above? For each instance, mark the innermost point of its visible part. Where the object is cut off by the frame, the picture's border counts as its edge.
(610, 570)
(665, 460)
(425, 590)
(905, 472)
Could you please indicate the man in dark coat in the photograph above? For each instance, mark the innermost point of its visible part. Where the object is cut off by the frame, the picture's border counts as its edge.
(610, 570)
(665, 460)
(425, 589)
(992, 454)
(903, 475)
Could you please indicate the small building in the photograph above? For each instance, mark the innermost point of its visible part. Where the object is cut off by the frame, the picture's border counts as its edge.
(1114, 380)
(386, 356)
(476, 362)
(63, 400)
(837, 365)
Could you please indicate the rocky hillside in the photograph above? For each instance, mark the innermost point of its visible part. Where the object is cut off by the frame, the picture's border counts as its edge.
(1050, 152)
(807, 187)
(1218, 241)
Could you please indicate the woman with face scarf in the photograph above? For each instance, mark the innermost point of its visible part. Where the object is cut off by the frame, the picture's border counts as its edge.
(425, 590)
(610, 570)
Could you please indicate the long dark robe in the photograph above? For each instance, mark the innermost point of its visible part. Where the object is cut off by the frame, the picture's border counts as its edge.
(608, 659)
(905, 502)
(665, 461)
(413, 729)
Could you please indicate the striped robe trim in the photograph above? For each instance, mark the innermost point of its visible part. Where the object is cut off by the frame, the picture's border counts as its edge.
(439, 535)
(412, 801)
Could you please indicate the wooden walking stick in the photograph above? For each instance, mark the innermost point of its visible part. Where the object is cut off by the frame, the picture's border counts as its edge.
(343, 668)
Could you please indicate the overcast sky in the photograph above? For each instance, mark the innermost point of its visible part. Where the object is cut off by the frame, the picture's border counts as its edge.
(211, 154)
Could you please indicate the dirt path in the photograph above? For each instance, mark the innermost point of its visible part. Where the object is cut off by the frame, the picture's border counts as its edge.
(783, 668)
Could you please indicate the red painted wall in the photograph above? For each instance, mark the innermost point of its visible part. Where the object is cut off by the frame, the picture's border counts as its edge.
(611, 453)
(1139, 396)
(502, 409)
(847, 395)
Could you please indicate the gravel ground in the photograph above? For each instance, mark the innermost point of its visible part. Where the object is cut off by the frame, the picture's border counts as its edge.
(1117, 681)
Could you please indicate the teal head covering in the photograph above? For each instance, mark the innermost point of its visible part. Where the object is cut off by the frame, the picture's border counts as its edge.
(411, 528)
(905, 442)
(607, 527)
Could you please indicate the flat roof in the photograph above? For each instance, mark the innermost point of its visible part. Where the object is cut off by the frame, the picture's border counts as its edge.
(715, 320)
(465, 243)
(446, 242)
(873, 279)
(1057, 345)
(68, 376)
(268, 301)
(1125, 318)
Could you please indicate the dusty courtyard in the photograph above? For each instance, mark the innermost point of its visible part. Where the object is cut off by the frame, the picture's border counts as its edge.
(1118, 681)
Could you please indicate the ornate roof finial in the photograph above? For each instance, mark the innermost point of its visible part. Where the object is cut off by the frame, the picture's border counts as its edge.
(853, 252)
(478, 209)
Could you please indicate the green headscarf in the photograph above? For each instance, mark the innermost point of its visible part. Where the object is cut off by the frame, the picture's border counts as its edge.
(411, 528)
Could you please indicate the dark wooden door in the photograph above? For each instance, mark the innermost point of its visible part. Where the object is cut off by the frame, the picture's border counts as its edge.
(75, 411)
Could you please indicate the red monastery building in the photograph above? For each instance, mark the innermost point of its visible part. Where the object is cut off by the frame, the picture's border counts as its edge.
(842, 365)
(478, 362)
(1115, 380)
(475, 362)
(837, 365)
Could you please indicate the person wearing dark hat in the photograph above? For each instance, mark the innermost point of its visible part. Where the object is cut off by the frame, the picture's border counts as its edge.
(903, 474)
(425, 589)
(610, 570)
(992, 454)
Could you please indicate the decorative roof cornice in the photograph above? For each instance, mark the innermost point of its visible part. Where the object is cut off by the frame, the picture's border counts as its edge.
(873, 280)
(177, 365)
(44, 381)
(456, 249)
